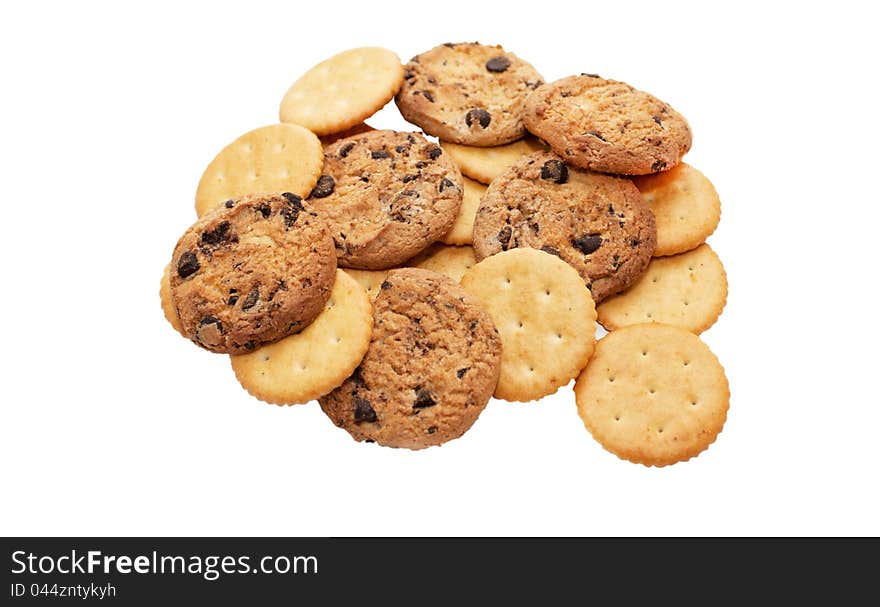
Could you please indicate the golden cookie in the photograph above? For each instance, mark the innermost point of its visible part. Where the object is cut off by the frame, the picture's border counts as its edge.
(685, 205)
(370, 280)
(309, 364)
(269, 160)
(165, 297)
(451, 261)
(343, 90)
(462, 231)
(357, 129)
(545, 315)
(485, 164)
(687, 291)
(653, 394)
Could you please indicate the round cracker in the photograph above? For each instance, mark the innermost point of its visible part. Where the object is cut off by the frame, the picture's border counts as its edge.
(165, 297)
(545, 315)
(685, 205)
(343, 90)
(653, 394)
(485, 164)
(450, 261)
(309, 364)
(462, 231)
(357, 129)
(370, 280)
(687, 291)
(270, 160)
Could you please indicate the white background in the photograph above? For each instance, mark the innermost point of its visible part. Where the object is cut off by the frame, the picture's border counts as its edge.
(113, 424)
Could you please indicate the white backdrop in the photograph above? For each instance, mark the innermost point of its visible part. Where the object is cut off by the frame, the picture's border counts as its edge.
(113, 424)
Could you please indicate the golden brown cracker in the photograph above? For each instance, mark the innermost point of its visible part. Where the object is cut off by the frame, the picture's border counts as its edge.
(485, 164)
(462, 231)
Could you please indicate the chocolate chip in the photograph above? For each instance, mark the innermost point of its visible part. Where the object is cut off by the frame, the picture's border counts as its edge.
(498, 64)
(358, 379)
(401, 149)
(504, 237)
(363, 410)
(187, 265)
(432, 429)
(635, 242)
(460, 373)
(552, 250)
(478, 115)
(423, 399)
(250, 345)
(555, 171)
(265, 210)
(446, 183)
(369, 440)
(564, 94)
(233, 299)
(365, 179)
(408, 74)
(473, 325)
(421, 164)
(325, 186)
(587, 244)
(611, 209)
(658, 120)
(251, 300)
(434, 152)
(590, 75)
(344, 150)
(615, 262)
(291, 210)
(658, 165)
(596, 134)
(379, 154)
(230, 203)
(218, 235)
(212, 320)
(427, 95)
(385, 285)
(408, 178)
(449, 44)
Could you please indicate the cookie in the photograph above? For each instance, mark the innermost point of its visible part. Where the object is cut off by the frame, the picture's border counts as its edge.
(485, 164)
(303, 366)
(653, 394)
(357, 129)
(386, 196)
(431, 367)
(685, 205)
(467, 93)
(462, 231)
(370, 280)
(545, 315)
(271, 159)
(597, 223)
(343, 90)
(165, 299)
(450, 261)
(251, 272)
(607, 126)
(687, 290)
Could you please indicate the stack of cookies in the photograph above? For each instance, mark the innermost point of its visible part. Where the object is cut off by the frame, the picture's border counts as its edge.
(402, 279)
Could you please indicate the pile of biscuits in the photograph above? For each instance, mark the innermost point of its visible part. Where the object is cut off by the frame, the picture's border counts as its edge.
(402, 281)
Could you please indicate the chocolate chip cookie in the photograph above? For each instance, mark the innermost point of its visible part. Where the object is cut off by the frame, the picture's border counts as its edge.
(386, 196)
(432, 364)
(467, 93)
(252, 271)
(607, 126)
(599, 224)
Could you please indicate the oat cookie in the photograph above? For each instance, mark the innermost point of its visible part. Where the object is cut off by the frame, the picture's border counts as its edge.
(370, 280)
(431, 367)
(485, 164)
(467, 93)
(597, 223)
(386, 196)
(687, 290)
(272, 159)
(165, 299)
(462, 231)
(685, 205)
(450, 261)
(607, 126)
(251, 272)
(343, 90)
(653, 394)
(545, 315)
(311, 363)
